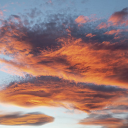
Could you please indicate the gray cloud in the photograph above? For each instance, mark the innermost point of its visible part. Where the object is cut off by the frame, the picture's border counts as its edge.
(25, 119)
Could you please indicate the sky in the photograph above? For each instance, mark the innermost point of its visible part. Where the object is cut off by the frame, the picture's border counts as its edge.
(63, 63)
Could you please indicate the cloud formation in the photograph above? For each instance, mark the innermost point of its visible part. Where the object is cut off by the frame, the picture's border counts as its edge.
(120, 17)
(25, 119)
(103, 103)
(101, 63)
(105, 120)
(72, 63)
(50, 91)
(115, 115)
(96, 57)
(117, 19)
(81, 20)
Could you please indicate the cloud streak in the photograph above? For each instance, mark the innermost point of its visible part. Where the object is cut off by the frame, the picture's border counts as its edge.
(48, 91)
(25, 119)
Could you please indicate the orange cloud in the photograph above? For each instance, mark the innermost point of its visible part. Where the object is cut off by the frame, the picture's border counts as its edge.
(111, 32)
(50, 49)
(117, 33)
(82, 19)
(25, 119)
(103, 25)
(117, 19)
(90, 35)
(48, 91)
(120, 17)
(98, 60)
(112, 116)
(78, 61)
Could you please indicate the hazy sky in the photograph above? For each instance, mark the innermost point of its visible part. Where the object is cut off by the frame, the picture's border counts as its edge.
(64, 63)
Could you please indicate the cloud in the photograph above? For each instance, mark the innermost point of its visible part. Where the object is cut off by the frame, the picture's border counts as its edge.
(82, 19)
(123, 126)
(117, 19)
(90, 35)
(69, 55)
(70, 66)
(101, 120)
(25, 119)
(1, 13)
(120, 17)
(50, 91)
(101, 63)
(106, 120)
(111, 32)
(103, 25)
(115, 115)
(96, 100)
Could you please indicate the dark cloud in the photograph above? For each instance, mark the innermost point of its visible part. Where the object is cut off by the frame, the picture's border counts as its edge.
(25, 119)
(105, 120)
(123, 126)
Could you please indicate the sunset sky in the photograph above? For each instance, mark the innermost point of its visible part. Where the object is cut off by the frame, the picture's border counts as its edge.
(64, 63)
